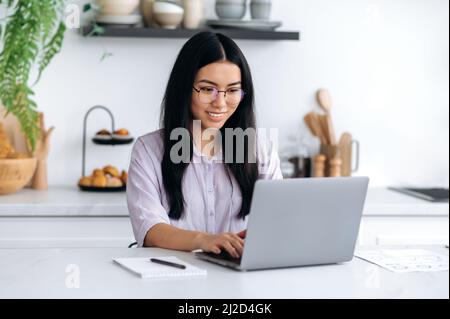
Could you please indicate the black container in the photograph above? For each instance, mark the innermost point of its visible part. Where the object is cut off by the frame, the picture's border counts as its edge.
(302, 166)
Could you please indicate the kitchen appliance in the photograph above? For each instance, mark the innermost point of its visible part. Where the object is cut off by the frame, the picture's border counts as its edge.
(437, 195)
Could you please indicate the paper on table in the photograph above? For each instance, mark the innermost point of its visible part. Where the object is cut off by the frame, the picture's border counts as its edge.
(406, 260)
(143, 267)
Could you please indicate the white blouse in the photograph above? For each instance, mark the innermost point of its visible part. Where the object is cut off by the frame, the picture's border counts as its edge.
(212, 195)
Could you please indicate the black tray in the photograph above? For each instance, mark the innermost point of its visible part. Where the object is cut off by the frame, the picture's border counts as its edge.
(103, 189)
(113, 141)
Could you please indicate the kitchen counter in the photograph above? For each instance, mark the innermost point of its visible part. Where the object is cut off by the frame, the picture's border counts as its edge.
(63, 201)
(54, 273)
(69, 201)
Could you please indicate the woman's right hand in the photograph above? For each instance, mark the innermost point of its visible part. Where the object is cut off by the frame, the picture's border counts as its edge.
(214, 243)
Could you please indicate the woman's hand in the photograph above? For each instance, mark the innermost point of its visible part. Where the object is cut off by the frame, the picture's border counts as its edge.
(214, 243)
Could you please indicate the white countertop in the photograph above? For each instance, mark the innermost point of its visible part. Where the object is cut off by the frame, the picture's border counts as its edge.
(41, 273)
(69, 201)
(63, 201)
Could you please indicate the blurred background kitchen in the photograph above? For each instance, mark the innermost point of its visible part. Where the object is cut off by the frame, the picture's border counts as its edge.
(384, 65)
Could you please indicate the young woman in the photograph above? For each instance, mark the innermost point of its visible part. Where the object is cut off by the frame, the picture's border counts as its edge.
(202, 203)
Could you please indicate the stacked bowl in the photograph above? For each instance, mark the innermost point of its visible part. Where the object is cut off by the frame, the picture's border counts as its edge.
(120, 12)
(231, 9)
(168, 14)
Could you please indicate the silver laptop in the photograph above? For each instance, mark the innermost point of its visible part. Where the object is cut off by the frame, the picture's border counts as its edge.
(300, 222)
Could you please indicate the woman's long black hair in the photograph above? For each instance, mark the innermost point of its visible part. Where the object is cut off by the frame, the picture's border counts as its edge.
(202, 49)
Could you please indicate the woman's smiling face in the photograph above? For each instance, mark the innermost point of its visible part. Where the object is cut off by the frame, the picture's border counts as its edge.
(222, 76)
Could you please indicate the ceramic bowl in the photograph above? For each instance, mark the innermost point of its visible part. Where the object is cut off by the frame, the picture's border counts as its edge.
(167, 14)
(117, 7)
(260, 11)
(241, 2)
(230, 10)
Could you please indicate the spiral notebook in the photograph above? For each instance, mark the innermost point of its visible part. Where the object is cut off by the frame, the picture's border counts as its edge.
(143, 267)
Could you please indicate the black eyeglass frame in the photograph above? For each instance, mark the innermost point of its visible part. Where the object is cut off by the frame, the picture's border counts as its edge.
(225, 95)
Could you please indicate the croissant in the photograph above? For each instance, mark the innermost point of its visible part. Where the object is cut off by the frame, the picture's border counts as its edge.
(85, 181)
(99, 181)
(111, 170)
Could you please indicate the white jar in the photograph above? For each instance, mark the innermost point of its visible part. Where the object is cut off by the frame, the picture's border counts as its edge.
(193, 13)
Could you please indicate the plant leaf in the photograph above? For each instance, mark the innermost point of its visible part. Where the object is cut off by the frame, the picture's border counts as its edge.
(32, 33)
(87, 7)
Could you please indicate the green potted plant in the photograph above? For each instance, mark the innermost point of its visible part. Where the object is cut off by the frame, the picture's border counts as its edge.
(31, 34)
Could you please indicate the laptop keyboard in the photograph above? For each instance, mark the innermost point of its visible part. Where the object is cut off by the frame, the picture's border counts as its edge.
(225, 256)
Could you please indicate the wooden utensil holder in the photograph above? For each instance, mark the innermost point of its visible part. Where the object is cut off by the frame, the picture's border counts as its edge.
(330, 152)
(349, 156)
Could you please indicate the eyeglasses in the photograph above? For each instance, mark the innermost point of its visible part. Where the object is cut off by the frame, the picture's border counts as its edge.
(210, 94)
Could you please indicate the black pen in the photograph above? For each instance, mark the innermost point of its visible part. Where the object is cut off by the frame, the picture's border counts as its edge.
(167, 263)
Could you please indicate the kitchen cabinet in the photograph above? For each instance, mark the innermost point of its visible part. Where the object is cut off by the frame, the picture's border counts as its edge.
(63, 232)
(406, 230)
(67, 217)
(391, 218)
(64, 217)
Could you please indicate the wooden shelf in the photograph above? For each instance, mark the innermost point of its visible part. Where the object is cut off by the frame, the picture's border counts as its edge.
(139, 32)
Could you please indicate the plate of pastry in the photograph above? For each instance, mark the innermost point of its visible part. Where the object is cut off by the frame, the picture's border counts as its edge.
(103, 135)
(118, 137)
(106, 179)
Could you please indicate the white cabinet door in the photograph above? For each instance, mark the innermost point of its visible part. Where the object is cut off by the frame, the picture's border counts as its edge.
(47, 232)
(404, 231)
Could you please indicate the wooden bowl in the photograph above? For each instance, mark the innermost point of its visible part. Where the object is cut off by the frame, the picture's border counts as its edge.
(15, 174)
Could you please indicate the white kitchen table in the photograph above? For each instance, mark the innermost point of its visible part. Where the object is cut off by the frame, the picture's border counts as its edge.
(49, 273)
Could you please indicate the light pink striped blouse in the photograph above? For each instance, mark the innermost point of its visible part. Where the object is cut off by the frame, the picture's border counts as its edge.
(213, 198)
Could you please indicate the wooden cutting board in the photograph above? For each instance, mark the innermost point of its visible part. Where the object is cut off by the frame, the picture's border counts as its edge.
(345, 149)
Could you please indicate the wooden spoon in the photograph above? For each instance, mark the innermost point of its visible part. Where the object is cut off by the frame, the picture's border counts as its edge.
(323, 121)
(325, 102)
(324, 99)
(313, 122)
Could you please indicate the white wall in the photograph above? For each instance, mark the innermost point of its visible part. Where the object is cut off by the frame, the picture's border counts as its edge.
(386, 63)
